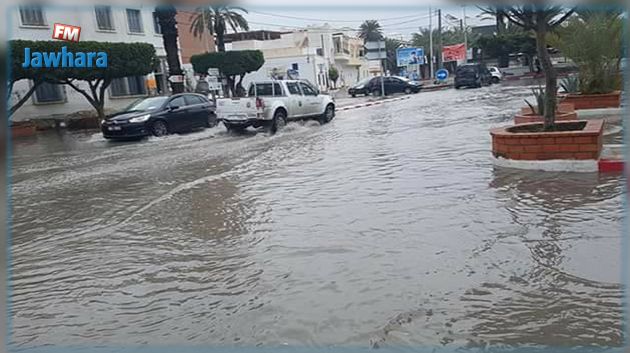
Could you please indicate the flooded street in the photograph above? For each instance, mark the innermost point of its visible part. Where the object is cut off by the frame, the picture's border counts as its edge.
(388, 227)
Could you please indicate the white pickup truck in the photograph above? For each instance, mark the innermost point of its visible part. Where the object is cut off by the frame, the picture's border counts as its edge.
(272, 103)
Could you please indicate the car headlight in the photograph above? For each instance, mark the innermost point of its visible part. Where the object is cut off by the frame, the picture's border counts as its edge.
(360, 87)
(140, 119)
(103, 122)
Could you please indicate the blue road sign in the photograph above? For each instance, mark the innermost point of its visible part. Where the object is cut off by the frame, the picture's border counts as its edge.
(441, 74)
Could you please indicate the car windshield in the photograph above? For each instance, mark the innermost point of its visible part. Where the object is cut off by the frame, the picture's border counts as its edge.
(467, 68)
(147, 104)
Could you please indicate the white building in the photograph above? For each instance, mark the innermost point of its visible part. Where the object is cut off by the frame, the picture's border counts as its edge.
(134, 23)
(310, 53)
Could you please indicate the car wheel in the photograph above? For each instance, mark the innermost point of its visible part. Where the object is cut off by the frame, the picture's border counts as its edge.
(354, 95)
(407, 90)
(495, 80)
(328, 115)
(376, 92)
(159, 128)
(212, 121)
(278, 122)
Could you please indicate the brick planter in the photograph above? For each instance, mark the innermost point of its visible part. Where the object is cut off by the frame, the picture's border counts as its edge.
(23, 129)
(593, 101)
(562, 107)
(533, 118)
(584, 144)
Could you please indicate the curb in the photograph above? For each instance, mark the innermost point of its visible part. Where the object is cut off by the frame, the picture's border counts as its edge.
(369, 104)
(611, 165)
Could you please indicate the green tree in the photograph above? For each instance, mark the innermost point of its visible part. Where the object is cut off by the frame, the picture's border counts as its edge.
(371, 31)
(541, 20)
(594, 42)
(215, 19)
(168, 24)
(333, 75)
(391, 47)
(232, 64)
(123, 60)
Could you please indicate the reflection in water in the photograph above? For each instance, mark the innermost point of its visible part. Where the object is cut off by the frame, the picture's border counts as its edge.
(548, 304)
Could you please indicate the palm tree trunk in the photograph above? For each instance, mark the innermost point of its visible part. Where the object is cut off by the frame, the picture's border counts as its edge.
(551, 80)
(168, 24)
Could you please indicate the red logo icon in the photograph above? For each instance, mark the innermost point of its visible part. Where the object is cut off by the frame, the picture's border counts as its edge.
(68, 33)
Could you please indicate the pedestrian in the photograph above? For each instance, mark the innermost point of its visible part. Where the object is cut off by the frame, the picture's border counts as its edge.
(538, 68)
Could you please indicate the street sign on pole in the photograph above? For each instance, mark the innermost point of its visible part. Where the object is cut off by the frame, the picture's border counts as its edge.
(441, 74)
(375, 50)
(176, 78)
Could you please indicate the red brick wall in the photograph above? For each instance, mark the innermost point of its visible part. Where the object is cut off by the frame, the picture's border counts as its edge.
(593, 101)
(188, 43)
(578, 145)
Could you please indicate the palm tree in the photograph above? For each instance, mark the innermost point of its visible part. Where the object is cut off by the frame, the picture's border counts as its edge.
(215, 19)
(541, 20)
(168, 25)
(497, 14)
(371, 31)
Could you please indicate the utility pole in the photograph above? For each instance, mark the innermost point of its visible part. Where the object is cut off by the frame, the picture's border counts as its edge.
(430, 43)
(465, 34)
(439, 55)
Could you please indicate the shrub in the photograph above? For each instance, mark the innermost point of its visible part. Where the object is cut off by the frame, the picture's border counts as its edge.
(593, 41)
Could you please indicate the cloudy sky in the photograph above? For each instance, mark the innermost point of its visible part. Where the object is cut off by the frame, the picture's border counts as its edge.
(398, 18)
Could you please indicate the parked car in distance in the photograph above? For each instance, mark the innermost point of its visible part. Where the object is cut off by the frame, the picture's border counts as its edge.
(159, 116)
(472, 75)
(497, 75)
(393, 84)
(270, 104)
(361, 87)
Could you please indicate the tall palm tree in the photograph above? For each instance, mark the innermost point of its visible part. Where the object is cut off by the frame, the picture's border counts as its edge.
(168, 25)
(371, 31)
(215, 19)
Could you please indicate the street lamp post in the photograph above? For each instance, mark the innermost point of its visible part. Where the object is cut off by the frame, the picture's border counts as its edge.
(431, 43)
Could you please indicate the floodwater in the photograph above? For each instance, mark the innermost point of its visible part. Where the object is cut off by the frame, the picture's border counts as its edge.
(389, 227)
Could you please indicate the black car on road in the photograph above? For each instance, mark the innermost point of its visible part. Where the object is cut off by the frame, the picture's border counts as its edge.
(361, 87)
(159, 116)
(393, 84)
(472, 75)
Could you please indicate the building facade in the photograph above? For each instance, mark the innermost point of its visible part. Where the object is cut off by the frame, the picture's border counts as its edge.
(129, 24)
(308, 54)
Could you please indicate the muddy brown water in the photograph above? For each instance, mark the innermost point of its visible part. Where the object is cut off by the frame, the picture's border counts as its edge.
(389, 227)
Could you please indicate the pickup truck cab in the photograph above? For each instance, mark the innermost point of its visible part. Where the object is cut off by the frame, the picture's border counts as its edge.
(272, 103)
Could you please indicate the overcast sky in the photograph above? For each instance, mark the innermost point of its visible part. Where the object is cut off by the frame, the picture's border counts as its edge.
(399, 18)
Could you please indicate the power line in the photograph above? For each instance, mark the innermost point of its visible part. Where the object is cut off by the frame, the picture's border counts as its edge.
(330, 20)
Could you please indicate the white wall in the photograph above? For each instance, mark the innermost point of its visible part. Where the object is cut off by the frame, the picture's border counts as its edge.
(85, 18)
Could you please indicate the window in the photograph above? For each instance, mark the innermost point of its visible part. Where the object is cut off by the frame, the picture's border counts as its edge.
(265, 89)
(295, 66)
(156, 24)
(192, 100)
(128, 86)
(294, 88)
(49, 93)
(134, 21)
(177, 102)
(104, 20)
(308, 90)
(32, 15)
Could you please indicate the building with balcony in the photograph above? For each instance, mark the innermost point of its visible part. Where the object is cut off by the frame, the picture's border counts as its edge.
(307, 53)
(134, 23)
